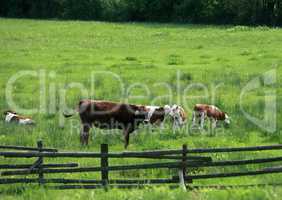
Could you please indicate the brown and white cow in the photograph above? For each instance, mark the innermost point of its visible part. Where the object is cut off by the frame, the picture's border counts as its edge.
(111, 115)
(13, 117)
(203, 111)
(156, 114)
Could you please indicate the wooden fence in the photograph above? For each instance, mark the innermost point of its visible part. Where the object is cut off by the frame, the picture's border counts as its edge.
(181, 159)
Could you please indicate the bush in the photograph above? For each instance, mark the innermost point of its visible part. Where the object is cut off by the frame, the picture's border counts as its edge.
(244, 12)
(82, 9)
(114, 10)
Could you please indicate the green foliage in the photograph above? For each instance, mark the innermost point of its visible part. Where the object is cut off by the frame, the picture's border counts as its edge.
(254, 12)
(85, 9)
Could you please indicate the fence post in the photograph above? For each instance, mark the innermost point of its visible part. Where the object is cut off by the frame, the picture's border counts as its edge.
(182, 170)
(40, 163)
(104, 165)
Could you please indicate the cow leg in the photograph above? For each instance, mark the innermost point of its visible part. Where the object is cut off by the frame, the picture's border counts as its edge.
(176, 125)
(84, 135)
(211, 126)
(194, 119)
(214, 123)
(162, 126)
(127, 130)
(202, 119)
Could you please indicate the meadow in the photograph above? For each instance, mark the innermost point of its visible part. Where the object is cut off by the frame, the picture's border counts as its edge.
(156, 64)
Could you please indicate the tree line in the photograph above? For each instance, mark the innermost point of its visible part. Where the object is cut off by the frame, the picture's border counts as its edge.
(245, 12)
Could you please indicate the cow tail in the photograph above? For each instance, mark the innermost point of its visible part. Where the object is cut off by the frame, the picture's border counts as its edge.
(67, 115)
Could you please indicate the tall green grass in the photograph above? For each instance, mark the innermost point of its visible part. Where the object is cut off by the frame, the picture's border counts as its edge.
(226, 58)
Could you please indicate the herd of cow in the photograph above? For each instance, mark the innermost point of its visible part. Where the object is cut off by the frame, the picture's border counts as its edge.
(127, 117)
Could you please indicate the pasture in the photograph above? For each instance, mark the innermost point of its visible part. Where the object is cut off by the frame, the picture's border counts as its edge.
(151, 60)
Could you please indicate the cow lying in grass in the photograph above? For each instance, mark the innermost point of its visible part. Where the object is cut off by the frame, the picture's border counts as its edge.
(203, 111)
(110, 115)
(13, 117)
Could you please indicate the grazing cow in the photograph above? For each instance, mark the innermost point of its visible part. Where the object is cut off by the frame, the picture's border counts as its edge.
(156, 114)
(203, 111)
(109, 115)
(13, 117)
(179, 116)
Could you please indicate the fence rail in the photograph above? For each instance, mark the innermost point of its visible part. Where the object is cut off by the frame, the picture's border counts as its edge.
(236, 174)
(27, 166)
(27, 148)
(182, 160)
(96, 155)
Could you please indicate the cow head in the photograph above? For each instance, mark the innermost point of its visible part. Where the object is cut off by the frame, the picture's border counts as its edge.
(9, 112)
(141, 114)
(167, 110)
(227, 120)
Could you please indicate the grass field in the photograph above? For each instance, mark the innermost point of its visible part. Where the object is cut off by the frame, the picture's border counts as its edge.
(220, 60)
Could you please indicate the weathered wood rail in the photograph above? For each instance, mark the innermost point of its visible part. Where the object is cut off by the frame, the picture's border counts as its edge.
(180, 159)
(27, 148)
